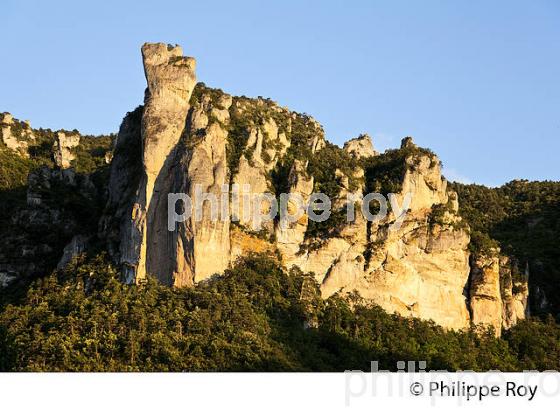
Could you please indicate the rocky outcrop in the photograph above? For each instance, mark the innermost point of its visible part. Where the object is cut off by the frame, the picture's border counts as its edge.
(412, 260)
(63, 149)
(498, 293)
(360, 147)
(485, 296)
(58, 206)
(6, 119)
(425, 184)
(514, 286)
(265, 144)
(202, 242)
(77, 246)
(50, 197)
(16, 135)
(6, 277)
(290, 231)
(171, 79)
(417, 270)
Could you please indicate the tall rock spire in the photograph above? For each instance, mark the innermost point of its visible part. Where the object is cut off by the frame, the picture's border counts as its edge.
(171, 79)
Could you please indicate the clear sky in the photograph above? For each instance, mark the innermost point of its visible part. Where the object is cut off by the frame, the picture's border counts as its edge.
(476, 81)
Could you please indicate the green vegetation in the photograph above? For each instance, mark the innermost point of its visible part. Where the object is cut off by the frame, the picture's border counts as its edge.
(523, 219)
(323, 166)
(32, 236)
(255, 316)
(202, 91)
(238, 134)
(385, 172)
(13, 184)
(441, 213)
(90, 154)
(251, 318)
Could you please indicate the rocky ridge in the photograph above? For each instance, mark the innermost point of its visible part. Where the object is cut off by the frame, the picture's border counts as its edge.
(198, 136)
(192, 139)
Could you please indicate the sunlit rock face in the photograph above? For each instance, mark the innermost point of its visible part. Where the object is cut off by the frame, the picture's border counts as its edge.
(485, 297)
(360, 147)
(15, 134)
(414, 260)
(419, 269)
(202, 243)
(514, 283)
(63, 149)
(171, 79)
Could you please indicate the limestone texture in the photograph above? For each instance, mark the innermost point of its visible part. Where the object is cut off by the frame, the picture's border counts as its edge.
(190, 139)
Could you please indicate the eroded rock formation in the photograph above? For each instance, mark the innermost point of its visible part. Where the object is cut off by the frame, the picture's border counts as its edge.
(63, 149)
(360, 147)
(16, 135)
(412, 260)
(171, 79)
(498, 291)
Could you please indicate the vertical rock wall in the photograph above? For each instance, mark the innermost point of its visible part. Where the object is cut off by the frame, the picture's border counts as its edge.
(498, 291)
(171, 79)
(203, 144)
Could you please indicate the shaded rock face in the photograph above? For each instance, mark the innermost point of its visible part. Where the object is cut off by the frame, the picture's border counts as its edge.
(414, 260)
(126, 172)
(498, 293)
(54, 191)
(37, 231)
(77, 245)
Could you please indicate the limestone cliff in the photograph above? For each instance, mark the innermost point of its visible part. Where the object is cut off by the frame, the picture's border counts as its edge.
(413, 259)
(171, 79)
(202, 243)
(419, 269)
(498, 292)
(16, 135)
(361, 147)
(63, 149)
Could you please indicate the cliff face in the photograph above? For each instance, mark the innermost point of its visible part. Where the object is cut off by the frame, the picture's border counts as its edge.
(202, 243)
(414, 262)
(188, 139)
(419, 269)
(498, 296)
(171, 79)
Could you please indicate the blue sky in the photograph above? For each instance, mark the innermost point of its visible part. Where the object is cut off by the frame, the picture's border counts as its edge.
(476, 81)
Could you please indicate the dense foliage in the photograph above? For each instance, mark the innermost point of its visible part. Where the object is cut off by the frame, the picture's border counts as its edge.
(32, 235)
(523, 219)
(384, 173)
(251, 318)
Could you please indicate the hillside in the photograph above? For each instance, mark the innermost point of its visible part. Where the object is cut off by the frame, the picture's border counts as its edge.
(94, 277)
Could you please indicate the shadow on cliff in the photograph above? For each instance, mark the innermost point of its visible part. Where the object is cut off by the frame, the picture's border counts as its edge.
(33, 237)
(532, 238)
